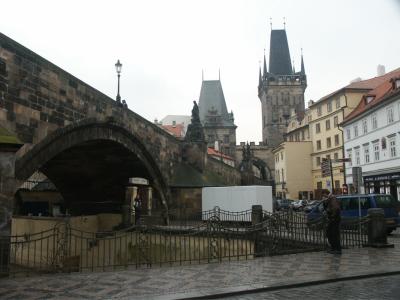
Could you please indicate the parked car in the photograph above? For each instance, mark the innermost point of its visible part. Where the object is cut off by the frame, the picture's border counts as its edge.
(310, 205)
(299, 205)
(354, 206)
(283, 204)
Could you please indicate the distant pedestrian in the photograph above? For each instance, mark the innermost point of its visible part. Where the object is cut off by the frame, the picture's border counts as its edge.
(332, 208)
(137, 204)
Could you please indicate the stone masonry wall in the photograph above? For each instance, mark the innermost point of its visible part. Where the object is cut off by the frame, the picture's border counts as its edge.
(39, 97)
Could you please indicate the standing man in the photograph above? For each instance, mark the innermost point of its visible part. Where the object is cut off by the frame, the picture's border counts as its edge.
(332, 208)
(137, 204)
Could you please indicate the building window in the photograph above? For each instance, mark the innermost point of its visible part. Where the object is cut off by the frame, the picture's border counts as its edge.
(335, 121)
(302, 135)
(357, 156)
(364, 126)
(318, 161)
(349, 156)
(338, 103)
(355, 129)
(328, 157)
(317, 128)
(328, 124)
(336, 155)
(318, 145)
(319, 185)
(374, 121)
(337, 184)
(392, 146)
(336, 140)
(226, 138)
(309, 118)
(376, 151)
(328, 142)
(319, 110)
(366, 154)
(283, 176)
(291, 138)
(329, 106)
(281, 155)
(348, 133)
(390, 116)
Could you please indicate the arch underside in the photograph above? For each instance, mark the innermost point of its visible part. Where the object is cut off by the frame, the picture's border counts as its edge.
(91, 166)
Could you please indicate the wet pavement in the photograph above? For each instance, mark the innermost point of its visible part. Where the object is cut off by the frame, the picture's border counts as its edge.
(379, 288)
(277, 272)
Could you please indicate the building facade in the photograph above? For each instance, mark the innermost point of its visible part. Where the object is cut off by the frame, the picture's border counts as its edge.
(280, 89)
(372, 140)
(217, 123)
(326, 135)
(293, 170)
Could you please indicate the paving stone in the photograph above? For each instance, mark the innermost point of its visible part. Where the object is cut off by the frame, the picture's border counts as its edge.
(178, 282)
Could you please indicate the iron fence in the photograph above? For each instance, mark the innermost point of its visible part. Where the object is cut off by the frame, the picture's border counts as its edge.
(214, 238)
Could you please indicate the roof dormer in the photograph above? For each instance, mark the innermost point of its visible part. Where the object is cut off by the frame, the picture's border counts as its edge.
(369, 98)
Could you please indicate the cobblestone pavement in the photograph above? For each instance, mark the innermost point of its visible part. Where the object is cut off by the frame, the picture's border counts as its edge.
(207, 279)
(379, 288)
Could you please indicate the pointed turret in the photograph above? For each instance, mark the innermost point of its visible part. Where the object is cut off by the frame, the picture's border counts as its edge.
(303, 70)
(279, 56)
(259, 79)
(265, 73)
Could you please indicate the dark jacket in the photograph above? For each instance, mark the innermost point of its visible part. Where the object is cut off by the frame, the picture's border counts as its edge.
(332, 207)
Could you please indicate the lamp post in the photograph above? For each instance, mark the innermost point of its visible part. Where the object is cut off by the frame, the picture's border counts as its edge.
(118, 67)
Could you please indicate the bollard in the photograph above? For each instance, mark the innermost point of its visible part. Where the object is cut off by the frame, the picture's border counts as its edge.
(126, 215)
(377, 235)
(256, 214)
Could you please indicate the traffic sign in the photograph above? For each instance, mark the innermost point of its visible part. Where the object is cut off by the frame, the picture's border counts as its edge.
(338, 160)
(325, 167)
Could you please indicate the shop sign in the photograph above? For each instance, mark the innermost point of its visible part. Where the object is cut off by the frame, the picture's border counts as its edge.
(393, 176)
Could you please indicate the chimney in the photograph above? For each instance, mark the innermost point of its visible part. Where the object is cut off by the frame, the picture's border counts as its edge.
(310, 102)
(380, 70)
(173, 124)
(216, 146)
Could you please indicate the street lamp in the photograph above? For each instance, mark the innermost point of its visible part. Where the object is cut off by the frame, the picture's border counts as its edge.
(118, 67)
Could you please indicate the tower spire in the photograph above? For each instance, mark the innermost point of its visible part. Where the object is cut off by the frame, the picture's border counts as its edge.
(294, 71)
(259, 78)
(265, 67)
(303, 70)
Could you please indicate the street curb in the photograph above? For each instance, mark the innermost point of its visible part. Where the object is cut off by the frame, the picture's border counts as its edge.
(287, 286)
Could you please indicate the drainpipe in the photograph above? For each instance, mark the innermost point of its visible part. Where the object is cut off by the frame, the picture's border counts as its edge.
(343, 154)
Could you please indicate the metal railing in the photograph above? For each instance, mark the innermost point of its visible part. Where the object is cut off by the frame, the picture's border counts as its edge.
(218, 236)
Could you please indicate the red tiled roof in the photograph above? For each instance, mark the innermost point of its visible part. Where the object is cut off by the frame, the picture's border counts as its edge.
(367, 84)
(380, 93)
(213, 152)
(176, 130)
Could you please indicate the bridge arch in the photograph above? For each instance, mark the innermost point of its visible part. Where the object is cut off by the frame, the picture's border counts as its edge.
(90, 163)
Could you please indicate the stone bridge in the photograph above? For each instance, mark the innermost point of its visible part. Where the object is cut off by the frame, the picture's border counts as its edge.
(83, 141)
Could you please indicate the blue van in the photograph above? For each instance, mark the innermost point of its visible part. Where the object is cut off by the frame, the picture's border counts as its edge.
(353, 206)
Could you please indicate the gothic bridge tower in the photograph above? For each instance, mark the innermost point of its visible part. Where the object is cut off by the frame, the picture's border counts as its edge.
(280, 89)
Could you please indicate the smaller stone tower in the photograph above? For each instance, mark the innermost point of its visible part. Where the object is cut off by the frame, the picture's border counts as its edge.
(217, 123)
(280, 89)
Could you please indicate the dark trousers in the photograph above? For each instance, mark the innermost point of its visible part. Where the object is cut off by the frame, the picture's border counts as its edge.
(333, 234)
(137, 216)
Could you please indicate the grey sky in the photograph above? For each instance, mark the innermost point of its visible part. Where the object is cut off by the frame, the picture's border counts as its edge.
(163, 46)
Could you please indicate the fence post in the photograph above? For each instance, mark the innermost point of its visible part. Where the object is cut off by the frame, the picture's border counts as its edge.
(377, 235)
(256, 214)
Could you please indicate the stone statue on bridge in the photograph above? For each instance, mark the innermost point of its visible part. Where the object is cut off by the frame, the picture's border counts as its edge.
(195, 131)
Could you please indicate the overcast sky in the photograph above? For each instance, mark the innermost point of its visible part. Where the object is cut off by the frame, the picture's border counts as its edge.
(164, 45)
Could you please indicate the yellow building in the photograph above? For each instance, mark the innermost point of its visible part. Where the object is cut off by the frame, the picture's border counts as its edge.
(324, 118)
(293, 170)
